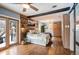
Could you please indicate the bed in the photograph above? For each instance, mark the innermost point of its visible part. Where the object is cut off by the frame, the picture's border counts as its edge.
(38, 38)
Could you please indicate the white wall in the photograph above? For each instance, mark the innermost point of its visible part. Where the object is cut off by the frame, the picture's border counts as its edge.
(71, 32)
(49, 27)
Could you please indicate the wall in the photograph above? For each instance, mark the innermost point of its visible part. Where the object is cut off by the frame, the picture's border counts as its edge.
(72, 31)
(66, 31)
(77, 39)
(77, 28)
(23, 27)
(7, 12)
(49, 27)
(48, 20)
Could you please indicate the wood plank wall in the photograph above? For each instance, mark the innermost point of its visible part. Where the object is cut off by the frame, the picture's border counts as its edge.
(23, 24)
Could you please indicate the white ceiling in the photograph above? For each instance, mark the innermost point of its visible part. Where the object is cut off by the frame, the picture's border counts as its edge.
(43, 7)
(49, 18)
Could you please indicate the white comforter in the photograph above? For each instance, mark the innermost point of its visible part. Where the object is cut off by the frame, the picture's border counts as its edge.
(41, 38)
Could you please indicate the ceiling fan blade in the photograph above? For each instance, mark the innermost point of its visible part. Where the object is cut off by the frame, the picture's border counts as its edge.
(34, 8)
(24, 9)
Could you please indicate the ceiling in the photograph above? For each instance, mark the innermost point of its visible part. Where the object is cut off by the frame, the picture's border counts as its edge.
(43, 7)
(49, 18)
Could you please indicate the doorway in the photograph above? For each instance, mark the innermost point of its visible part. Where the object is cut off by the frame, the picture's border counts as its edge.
(2, 32)
(57, 29)
(13, 32)
(9, 32)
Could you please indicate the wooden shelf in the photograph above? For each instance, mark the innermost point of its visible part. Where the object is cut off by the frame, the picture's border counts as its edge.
(32, 25)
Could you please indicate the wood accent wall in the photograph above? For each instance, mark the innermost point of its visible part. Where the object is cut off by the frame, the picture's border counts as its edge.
(7, 33)
(66, 31)
(23, 20)
(17, 26)
(23, 26)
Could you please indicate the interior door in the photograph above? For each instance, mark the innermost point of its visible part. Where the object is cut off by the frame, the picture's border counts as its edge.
(57, 29)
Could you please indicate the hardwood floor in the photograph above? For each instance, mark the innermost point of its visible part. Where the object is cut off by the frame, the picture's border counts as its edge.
(33, 49)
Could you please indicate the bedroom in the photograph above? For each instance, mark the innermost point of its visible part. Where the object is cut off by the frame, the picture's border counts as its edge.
(35, 31)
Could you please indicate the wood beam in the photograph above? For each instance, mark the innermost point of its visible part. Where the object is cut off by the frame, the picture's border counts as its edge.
(50, 12)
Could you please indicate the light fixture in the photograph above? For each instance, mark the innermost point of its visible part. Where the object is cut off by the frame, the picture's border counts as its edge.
(26, 6)
(67, 26)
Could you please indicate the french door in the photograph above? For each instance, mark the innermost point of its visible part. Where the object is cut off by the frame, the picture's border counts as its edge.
(13, 32)
(9, 32)
(2, 32)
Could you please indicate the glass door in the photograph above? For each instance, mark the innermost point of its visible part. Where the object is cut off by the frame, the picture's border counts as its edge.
(9, 32)
(2, 32)
(13, 32)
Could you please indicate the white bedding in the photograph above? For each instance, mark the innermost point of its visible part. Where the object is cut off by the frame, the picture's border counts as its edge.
(40, 38)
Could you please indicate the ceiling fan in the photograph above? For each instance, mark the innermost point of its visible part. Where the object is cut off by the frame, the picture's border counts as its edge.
(27, 6)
